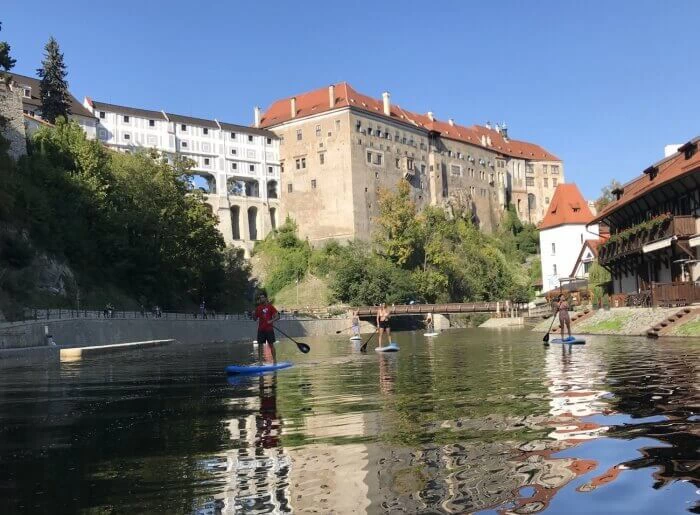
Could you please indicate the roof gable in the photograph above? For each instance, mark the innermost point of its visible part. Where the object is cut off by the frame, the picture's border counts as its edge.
(76, 108)
(567, 207)
(592, 247)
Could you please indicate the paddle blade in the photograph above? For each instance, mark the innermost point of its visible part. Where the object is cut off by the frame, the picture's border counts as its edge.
(546, 338)
(303, 347)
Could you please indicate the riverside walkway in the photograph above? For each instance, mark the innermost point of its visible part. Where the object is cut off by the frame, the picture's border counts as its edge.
(446, 309)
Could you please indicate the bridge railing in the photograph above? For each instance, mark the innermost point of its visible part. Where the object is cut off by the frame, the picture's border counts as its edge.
(451, 308)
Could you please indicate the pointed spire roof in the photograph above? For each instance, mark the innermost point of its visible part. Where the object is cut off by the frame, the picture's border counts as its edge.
(566, 208)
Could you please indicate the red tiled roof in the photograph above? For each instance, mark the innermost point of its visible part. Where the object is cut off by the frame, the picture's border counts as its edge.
(317, 101)
(664, 171)
(593, 245)
(567, 207)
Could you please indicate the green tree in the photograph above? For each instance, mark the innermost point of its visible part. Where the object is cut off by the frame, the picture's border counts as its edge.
(397, 229)
(6, 62)
(606, 194)
(55, 99)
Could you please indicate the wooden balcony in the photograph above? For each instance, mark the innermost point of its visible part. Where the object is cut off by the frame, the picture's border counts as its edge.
(674, 294)
(680, 226)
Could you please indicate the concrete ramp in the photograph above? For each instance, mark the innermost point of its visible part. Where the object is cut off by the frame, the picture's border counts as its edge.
(77, 353)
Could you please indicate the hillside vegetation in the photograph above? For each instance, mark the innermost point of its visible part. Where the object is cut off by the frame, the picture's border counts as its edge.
(422, 256)
(126, 225)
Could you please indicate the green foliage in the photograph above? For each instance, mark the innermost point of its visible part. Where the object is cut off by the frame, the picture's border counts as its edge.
(55, 99)
(597, 275)
(397, 233)
(288, 256)
(125, 220)
(606, 195)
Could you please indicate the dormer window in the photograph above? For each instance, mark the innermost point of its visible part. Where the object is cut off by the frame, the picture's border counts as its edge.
(28, 92)
(618, 193)
(651, 172)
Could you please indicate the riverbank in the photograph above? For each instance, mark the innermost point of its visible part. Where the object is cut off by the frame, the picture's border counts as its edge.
(628, 322)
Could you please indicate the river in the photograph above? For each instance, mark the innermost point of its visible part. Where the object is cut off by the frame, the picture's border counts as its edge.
(475, 420)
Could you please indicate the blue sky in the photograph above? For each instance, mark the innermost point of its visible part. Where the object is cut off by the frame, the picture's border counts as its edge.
(604, 85)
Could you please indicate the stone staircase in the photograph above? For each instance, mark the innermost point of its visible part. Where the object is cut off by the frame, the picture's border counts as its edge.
(575, 318)
(665, 325)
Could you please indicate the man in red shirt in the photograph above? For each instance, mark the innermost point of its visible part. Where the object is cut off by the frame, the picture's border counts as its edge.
(266, 314)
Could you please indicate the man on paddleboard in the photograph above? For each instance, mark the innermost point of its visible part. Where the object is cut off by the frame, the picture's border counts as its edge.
(383, 316)
(266, 314)
(355, 323)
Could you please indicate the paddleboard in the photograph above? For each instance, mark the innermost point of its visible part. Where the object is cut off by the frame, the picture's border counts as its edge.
(430, 334)
(255, 369)
(392, 347)
(356, 338)
(255, 342)
(573, 340)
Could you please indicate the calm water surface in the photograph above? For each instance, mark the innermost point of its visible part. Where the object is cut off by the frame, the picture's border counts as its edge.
(472, 421)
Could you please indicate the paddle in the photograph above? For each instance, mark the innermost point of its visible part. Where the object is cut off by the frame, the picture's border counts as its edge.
(363, 347)
(343, 330)
(301, 346)
(546, 336)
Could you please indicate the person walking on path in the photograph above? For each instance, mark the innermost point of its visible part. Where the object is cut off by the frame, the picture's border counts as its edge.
(266, 314)
(383, 323)
(355, 323)
(203, 310)
(563, 310)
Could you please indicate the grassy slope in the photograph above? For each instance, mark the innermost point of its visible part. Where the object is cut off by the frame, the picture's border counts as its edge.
(312, 292)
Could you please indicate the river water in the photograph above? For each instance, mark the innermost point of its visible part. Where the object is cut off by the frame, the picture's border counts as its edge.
(474, 420)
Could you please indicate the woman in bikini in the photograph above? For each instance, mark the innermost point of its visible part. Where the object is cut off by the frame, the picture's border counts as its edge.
(383, 316)
(563, 310)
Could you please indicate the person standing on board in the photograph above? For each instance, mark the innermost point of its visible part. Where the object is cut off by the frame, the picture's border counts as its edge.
(266, 314)
(429, 322)
(355, 323)
(383, 324)
(563, 310)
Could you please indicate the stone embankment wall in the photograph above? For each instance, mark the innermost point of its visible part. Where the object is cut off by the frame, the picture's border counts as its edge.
(86, 332)
(617, 321)
(11, 111)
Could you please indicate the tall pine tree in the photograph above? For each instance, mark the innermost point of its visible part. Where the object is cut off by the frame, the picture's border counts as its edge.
(6, 62)
(55, 99)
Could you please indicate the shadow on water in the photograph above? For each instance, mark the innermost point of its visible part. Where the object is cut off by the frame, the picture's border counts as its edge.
(470, 421)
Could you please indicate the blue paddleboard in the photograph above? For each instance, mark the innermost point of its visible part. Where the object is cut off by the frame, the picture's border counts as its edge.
(392, 347)
(572, 340)
(256, 369)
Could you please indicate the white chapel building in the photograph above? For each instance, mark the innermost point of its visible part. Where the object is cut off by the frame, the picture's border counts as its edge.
(562, 233)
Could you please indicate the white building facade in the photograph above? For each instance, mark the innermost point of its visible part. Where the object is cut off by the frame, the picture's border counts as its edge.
(237, 167)
(562, 234)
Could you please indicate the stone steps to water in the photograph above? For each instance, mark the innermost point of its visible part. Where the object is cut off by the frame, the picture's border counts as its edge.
(667, 324)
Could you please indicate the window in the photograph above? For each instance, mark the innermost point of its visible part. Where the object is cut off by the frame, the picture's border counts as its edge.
(554, 182)
(554, 269)
(322, 158)
(455, 170)
(303, 162)
(544, 168)
(555, 169)
(546, 182)
(206, 161)
(269, 141)
(183, 127)
(337, 125)
(289, 187)
(205, 131)
(554, 249)
(529, 168)
(250, 138)
(233, 135)
(151, 123)
(270, 170)
(298, 134)
(318, 131)
(103, 114)
(184, 144)
(127, 136)
(234, 151)
(103, 134)
(546, 200)
(369, 157)
(398, 163)
(409, 163)
(251, 168)
(313, 183)
(126, 119)
(529, 181)
(27, 92)
(586, 266)
(581, 237)
(377, 159)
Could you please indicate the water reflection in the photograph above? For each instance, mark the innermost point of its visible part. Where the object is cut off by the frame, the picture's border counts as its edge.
(471, 421)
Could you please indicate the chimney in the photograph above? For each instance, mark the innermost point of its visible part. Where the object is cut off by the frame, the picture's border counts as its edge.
(331, 96)
(256, 112)
(430, 115)
(451, 122)
(293, 106)
(488, 125)
(387, 103)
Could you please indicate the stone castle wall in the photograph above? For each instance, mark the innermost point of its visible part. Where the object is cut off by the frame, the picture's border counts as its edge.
(11, 111)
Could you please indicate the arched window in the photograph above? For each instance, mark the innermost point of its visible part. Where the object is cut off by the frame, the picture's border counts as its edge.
(253, 223)
(271, 189)
(531, 202)
(236, 222)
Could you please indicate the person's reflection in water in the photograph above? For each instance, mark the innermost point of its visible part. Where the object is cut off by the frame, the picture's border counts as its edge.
(387, 373)
(266, 422)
